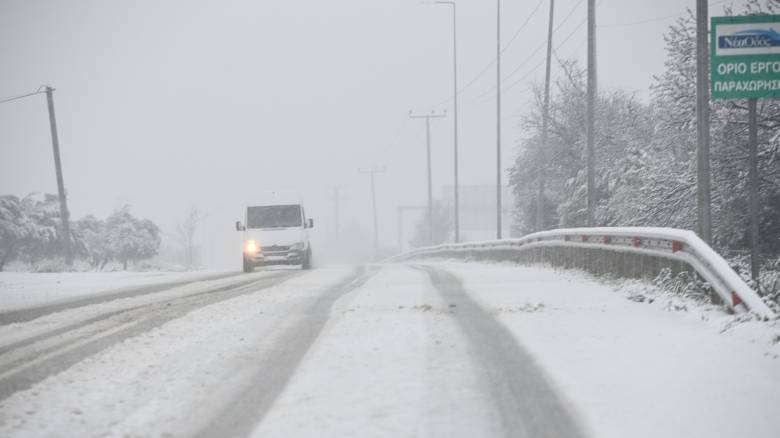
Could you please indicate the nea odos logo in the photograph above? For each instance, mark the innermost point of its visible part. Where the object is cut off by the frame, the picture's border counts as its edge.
(750, 39)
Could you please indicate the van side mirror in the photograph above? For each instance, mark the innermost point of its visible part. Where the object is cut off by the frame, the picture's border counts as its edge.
(240, 227)
(309, 223)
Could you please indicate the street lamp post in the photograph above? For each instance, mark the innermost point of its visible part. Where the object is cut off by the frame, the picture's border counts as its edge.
(498, 120)
(455, 108)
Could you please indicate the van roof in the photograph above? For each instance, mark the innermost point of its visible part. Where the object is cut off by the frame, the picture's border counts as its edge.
(276, 197)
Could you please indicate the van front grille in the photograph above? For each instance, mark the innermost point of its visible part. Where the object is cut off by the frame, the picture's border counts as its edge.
(276, 248)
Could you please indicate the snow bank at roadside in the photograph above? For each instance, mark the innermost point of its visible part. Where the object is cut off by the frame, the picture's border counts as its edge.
(18, 331)
(642, 368)
(20, 290)
(168, 381)
(747, 328)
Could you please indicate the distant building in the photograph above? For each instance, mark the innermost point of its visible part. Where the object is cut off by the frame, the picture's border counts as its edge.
(478, 210)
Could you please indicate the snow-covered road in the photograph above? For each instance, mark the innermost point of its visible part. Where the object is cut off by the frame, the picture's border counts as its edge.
(439, 349)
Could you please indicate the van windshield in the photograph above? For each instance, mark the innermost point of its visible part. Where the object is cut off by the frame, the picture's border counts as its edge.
(274, 216)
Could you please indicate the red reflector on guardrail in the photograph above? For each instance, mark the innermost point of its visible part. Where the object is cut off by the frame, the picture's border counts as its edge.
(636, 241)
(735, 300)
(676, 246)
(606, 239)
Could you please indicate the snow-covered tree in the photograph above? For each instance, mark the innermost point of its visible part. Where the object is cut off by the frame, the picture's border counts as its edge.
(646, 155)
(668, 184)
(130, 238)
(43, 211)
(15, 228)
(622, 123)
(92, 233)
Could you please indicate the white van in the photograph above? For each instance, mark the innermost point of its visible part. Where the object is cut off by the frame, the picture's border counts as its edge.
(276, 232)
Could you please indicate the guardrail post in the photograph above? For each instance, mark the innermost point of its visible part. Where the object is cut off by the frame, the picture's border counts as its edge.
(647, 267)
(640, 266)
(588, 260)
(637, 268)
(655, 267)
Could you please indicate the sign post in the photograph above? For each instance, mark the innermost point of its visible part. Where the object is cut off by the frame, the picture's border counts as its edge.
(746, 65)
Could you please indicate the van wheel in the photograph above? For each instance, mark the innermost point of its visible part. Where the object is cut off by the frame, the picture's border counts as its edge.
(306, 265)
(248, 267)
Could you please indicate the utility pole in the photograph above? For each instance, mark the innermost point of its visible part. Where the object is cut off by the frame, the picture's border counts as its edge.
(545, 122)
(703, 123)
(455, 107)
(753, 181)
(64, 214)
(498, 119)
(428, 117)
(592, 91)
(372, 172)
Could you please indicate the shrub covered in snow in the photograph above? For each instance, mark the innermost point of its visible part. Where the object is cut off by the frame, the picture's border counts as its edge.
(768, 284)
(686, 284)
(30, 231)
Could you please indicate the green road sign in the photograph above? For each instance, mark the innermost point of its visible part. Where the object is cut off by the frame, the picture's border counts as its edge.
(745, 57)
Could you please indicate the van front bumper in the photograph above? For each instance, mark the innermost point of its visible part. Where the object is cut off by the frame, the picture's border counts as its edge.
(287, 257)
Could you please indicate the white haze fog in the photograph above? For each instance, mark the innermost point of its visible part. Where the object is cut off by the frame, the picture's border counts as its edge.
(163, 105)
(630, 293)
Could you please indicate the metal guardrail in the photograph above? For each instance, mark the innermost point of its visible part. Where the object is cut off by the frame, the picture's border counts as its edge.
(628, 252)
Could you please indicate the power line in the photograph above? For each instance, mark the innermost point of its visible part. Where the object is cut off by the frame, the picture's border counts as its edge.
(490, 92)
(557, 28)
(533, 53)
(511, 40)
(493, 61)
(634, 23)
(40, 90)
(652, 20)
(564, 41)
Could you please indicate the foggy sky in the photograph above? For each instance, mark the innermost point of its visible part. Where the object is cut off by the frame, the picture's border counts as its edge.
(167, 104)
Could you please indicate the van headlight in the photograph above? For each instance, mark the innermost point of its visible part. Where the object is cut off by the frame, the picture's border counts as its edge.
(251, 247)
(297, 246)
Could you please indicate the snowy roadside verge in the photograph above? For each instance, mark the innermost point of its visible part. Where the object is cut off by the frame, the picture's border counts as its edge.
(16, 332)
(171, 380)
(746, 327)
(22, 290)
(643, 368)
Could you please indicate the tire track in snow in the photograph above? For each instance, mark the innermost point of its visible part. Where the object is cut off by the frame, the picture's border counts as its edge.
(526, 401)
(59, 330)
(54, 352)
(248, 408)
(28, 314)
